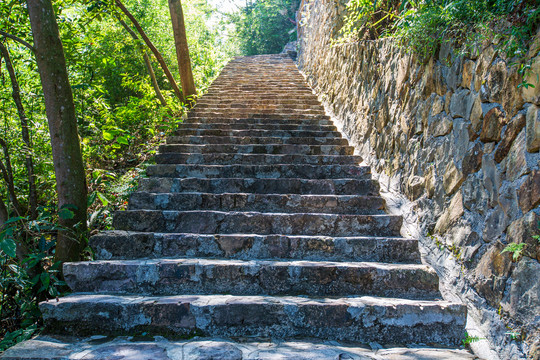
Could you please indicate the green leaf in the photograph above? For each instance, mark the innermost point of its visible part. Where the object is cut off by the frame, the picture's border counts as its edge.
(107, 135)
(66, 214)
(103, 199)
(122, 140)
(13, 219)
(45, 280)
(8, 246)
(91, 199)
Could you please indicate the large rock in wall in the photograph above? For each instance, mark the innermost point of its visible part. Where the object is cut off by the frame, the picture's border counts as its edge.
(462, 141)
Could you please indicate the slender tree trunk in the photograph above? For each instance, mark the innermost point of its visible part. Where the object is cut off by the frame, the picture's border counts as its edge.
(154, 50)
(32, 193)
(147, 62)
(66, 150)
(7, 173)
(182, 51)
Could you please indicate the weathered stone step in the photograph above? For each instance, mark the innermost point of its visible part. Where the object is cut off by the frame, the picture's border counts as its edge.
(263, 91)
(251, 121)
(255, 105)
(256, 82)
(263, 98)
(119, 244)
(280, 203)
(260, 87)
(275, 149)
(219, 222)
(55, 348)
(227, 126)
(261, 186)
(253, 140)
(246, 81)
(358, 319)
(257, 133)
(260, 171)
(259, 107)
(247, 102)
(255, 114)
(252, 277)
(254, 159)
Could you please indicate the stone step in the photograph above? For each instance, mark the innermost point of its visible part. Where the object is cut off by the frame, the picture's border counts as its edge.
(230, 76)
(251, 121)
(263, 91)
(261, 108)
(284, 102)
(252, 277)
(254, 159)
(262, 99)
(261, 87)
(275, 149)
(219, 222)
(357, 319)
(269, 203)
(260, 171)
(262, 186)
(55, 348)
(255, 114)
(119, 244)
(255, 83)
(276, 107)
(253, 140)
(256, 133)
(228, 126)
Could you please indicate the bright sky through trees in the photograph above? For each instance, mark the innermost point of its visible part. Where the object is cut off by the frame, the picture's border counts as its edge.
(228, 5)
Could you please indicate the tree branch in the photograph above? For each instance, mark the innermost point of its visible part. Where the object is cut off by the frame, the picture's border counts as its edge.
(147, 62)
(154, 50)
(19, 40)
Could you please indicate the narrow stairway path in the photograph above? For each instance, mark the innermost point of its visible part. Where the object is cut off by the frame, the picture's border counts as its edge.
(258, 233)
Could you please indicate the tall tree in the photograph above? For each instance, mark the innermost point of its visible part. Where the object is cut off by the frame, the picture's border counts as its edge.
(182, 51)
(66, 150)
(154, 50)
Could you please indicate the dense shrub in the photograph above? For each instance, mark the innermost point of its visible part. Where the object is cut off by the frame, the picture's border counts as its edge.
(421, 26)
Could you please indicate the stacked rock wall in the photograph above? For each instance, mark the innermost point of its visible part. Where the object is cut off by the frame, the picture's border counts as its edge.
(460, 140)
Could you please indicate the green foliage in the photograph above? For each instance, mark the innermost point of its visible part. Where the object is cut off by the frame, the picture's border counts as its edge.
(515, 249)
(514, 335)
(266, 26)
(470, 339)
(28, 275)
(422, 26)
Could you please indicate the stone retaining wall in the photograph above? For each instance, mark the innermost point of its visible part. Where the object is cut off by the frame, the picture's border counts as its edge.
(460, 140)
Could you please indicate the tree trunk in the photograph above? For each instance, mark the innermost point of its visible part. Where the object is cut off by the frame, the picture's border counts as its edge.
(7, 173)
(182, 51)
(154, 50)
(147, 62)
(66, 151)
(32, 193)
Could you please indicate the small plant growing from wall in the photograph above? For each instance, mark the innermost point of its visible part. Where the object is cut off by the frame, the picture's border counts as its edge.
(515, 249)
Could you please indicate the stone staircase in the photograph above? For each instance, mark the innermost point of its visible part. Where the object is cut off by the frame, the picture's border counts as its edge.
(257, 225)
